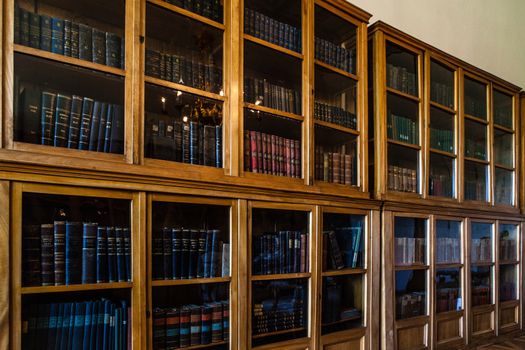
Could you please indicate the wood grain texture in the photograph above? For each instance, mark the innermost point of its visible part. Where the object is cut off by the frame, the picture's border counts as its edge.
(4, 264)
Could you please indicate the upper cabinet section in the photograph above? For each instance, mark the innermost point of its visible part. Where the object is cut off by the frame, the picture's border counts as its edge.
(443, 131)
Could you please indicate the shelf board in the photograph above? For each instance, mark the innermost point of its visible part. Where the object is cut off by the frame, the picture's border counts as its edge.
(68, 152)
(184, 88)
(336, 127)
(403, 94)
(343, 272)
(273, 111)
(451, 314)
(75, 287)
(443, 153)
(504, 167)
(164, 283)
(404, 144)
(285, 331)
(173, 8)
(281, 276)
(476, 119)
(202, 346)
(447, 265)
(482, 263)
(272, 46)
(477, 160)
(503, 128)
(336, 70)
(412, 267)
(68, 60)
(508, 262)
(442, 107)
(342, 321)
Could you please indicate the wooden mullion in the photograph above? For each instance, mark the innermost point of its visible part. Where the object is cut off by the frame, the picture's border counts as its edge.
(5, 264)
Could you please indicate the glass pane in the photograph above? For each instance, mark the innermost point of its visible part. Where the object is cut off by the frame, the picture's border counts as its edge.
(66, 106)
(335, 156)
(448, 290)
(335, 98)
(475, 140)
(272, 144)
(411, 293)
(504, 186)
(442, 130)
(211, 9)
(503, 148)
(194, 59)
(508, 282)
(401, 69)
(70, 240)
(275, 21)
(475, 98)
(402, 120)
(503, 109)
(190, 241)
(442, 173)
(448, 242)
(335, 40)
(279, 310)
(343, 241)
(191, 315)
(508, 242)
(342, 306)
(182, 127)
(481, 238)
(441, 84)
(402, 169)
(280, 241)
(410, 241)
(481, 288)
(476, 178)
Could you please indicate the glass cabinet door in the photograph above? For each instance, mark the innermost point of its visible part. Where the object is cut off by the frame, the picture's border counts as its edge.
(482, 263)
(508, 261)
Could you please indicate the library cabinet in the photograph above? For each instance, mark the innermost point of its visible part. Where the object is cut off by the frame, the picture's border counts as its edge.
(442, 130)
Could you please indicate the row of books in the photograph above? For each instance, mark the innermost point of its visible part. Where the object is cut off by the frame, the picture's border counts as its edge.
(410, 305)
(70, 252)
(507, 290)
(334, 114)
(187, 142)
(475, 107)
(334, 301)
(402, 179)
(211, 9)
(191, 325)
(95, 324)
(442, 93)
(68, 38)
(503, 153)
(335, 166)
(448, 250)
(440, 185)
(442, 139)
(475, 148)
(190, 69)
(271, 154)
(338, 56)
(448, 299)
(481, 249)
(264, 93)
(507, 249)
(503, 115)
(280, 313)
(184, 254)
(503, 189)
(342, 248)
(62, 120)
(280, 252)
(480, 295)
(475, 190)
(400, 128)
(266, 28)
(400, 78)
(410, 250)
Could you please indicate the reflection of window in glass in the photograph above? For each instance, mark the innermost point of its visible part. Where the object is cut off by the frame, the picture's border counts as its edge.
(448, 290)
(401, 69)
(502, 109)
(442, 130)
(410, 241)
(508, 244)
(475, 98)
(441, 84)
(481, 285)
(343, 241)
(475, 140)
(476, 176)
(441, 179)
(504, 186)
(503, 148)
(508, 281)
(448, 241)
(481, 237)
(410, 293)
(342, 303)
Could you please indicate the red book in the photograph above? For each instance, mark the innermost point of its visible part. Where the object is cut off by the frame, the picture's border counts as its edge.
(336, 167)
(273, 153)
(268, 158)
(288, 171)
(280, 148)
(247, 151)
(260, 163)
(348, 169)
(297, 146)
(253, 151)
(264, 144)
(292, 158)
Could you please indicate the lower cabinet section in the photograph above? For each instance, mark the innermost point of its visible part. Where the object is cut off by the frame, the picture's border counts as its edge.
(509, 316)
(449, 329)
(413, 335)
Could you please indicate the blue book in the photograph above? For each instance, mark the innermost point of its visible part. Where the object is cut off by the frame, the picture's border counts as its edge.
(107, 132)
(52, 325)
(201, 253)
(71, 327)
(73, 269)
(89, 251)
(111, 314)
(215, 254)
(67, 38)
(63, 111)
(106, 333)
(64, 335)
(357, 246)
(207, 253)
(118, 329)
(59, 240)
(102, 256)
(117, 130)
(194, 253)
(47, 117)
(78, 325)
(95, 123)
(176, 246)
(74, 122)
(102, 127)
(112, 255)
(185, 254)
(127, 251)
(87, 325)
(57, 36)
(97, 308)
(85, 44)
(55, 344)
(124, 326)
(85, 123)
(121, 257)
(102, 319)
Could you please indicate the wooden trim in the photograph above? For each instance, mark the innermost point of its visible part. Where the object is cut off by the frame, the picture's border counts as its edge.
(404, 144)
(344, 272)
(67, 152)
(442, 153)
(183, 282)
(184, 88)
(15, 311)
(345, 10)
(477, 119)
(336, 70)
(272, 46)
(5, 264)
(75, 288)
(441, 107)
(336, 127)
(280, 276)
(273, 111)
(402, 94)
(192, 15)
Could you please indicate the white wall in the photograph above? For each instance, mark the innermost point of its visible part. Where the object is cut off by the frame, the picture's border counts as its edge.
(489, 34)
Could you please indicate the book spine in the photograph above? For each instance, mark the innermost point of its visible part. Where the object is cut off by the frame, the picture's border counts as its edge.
(74, 122)
(67, 38)
(57, 36)
(172, 328)
(195, 325)
(75, 31)
(89, 252)
(59, 233)
(159, 328)
(63, 110)
(85, 42)
(207, 311)
(225, 320)
(126, 232)
(24, 27)
(112, 255)
(98, 46)
(185, 256)
(121, 256)
(100, 138)
(185, 314)
(47, 254)
(215, 255)
(34, 30)
(113, 54)
(216, 323)
(95, 125)
(48, 105)
(73, 251)
(167, 249)
(31, 247)
(85, 123)
(102, 257)
(117, 130)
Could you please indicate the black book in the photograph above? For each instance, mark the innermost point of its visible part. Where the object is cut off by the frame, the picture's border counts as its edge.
(73, 252)
(47, 248)
(85, 123)
(75, 29)
(185, 142)
(225, 320)
(158, 255)
(194, 253)
(176, 245)
(31, 249)
(208, 142)
(63, 111)
(218, 146)
(177, 139)
(57, 36)
(59, 233)
(167, 253)
(102, 255)
(117, 130)
(47, 121)
(185, 256)
(127, 251)
(74, 122)
(121, 257)
(102, 127)
(112, 255)
(30, 120)
(34, 30)
(113, 44)
(67, 38)
(98, 38)
(202, 252)
(195, 325)
(24, 27)
(207, 253)
(194, 142)
(52, 325)
(215, 258)
(89, 252)
(172, 328)
(85, 43)
(108, 131)
(159, 328)
(334, 251)
(95, 123)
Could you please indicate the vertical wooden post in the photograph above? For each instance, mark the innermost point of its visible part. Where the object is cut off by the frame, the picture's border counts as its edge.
(4, 263)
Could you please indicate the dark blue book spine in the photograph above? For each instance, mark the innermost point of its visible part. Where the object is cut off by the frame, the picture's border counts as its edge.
(85, 44)
(78, 328)
(59, 233)
(48, 105)
(31, 250)
(158, 254)
(124, 324)
(42, 323)
(102, 320)
(201, 253)
(127, 251)
(47, 254)
(89, 251)
(34, 30)
(102, 255)
(71, 327)
(99, 46)
(112, 255)
(98, 307)
(30, 110)
(194, 253)
(75, 40)
(73, 253)
(64, 335)
(52, 325)
(67, 38)
(55, 343)
(121, 257)
(185, 256)
(95, 122)
(74, 122)
(57, 36)
(218, 146)
(113, 46)
(167, 253)
(85, 123)
(117, 130)
(24, 27)
(63, 111)
(176, 243)
(87, 325)
(215, 255)
(107, 132)
(102, 127)
(207, 254)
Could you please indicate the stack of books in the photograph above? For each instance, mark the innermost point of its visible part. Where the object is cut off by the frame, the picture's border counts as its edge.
(335, 55)
(335, 165)
(336, 115)
(410, 250)
(272, 95)
(404, 129)
(448, 299)
(280, 252)
(481, 295)
(507, 248)
(68, 38)
(481, 249)
(211, 9)
(410, 305)
(475, 148)
(475, 189)
(448, 250)
(70, 252)
(184, 254)
(442, 94)
(402, 179)
(342, 248)
(400, 78)
(442, 139)
(475, 106)
(280, 313)
(440, 185)
(191, 325)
